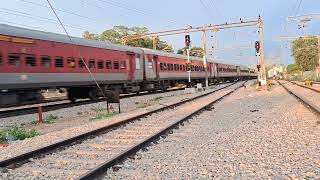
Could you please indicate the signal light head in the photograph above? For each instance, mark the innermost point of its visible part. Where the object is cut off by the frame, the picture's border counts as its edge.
(187, 40)
(257, 46)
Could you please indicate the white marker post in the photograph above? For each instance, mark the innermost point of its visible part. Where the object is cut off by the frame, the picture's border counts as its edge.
(189, 72)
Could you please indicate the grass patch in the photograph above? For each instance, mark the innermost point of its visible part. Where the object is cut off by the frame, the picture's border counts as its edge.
(50, 119)
(47, 120)
(157, 98)
(104, 116)
(97, 109)
(16, 133)
(144, 105)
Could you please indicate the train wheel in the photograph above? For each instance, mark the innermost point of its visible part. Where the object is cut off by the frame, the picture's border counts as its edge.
(93, 94)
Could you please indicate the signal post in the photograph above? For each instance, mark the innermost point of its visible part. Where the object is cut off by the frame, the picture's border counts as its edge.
(188, 43)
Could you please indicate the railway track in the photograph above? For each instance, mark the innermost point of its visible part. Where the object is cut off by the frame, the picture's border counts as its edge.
(57, 104)
(312, 89)
(89, 155)
(308, 96)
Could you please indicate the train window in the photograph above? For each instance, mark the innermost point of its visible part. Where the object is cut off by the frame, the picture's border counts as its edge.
(81, 63)
(14, 59)
(122, 65)
(45, 61)
(30, 61)
(150, 64)
(108, 65)
(171, 67)
(181, 68)
(1, 59)
(161, 66)
(59, 62)
(165, 67)
(100, 64)
(71, 62)
(138, 62)
(92, 64)
(192, 67)
(115, 65)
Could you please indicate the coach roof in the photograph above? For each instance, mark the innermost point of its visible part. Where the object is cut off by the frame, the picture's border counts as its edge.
(48, 36)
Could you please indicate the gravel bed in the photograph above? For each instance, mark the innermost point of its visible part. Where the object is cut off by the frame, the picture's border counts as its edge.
(127, 104)
(19, 147)
(249, 135)
(312, 96)
(84, 156)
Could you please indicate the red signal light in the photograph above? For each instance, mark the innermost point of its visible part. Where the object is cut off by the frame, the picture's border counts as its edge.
(187, 40)
(257, 46)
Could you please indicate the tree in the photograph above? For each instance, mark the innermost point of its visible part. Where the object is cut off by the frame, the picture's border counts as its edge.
(89, 35)
(305, 53)
(292, 68)
(195, 51)
(116, 34)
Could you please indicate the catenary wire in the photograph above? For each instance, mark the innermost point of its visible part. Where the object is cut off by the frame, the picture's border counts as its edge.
(65, 30)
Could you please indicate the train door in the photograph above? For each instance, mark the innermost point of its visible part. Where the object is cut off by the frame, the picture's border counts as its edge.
(131, 66)
(150, 67)
(156, 66)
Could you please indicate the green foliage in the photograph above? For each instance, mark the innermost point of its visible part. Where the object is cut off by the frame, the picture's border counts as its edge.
(195, 51)
(292, 68)
(116, 34)
(47, 120)
(305, 53)
(16, 133)
(89, 35)
(50, 119)
(157, 98)
(104, 116)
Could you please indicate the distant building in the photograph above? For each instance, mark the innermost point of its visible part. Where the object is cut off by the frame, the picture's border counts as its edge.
(276, 71)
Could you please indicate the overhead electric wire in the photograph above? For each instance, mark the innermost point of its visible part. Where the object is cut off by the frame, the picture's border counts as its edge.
(136, 10)
(19, 24)
(30, 16)
(298, 8)
(206, 8)
(75, 49)
(213, 4)
(63, 11)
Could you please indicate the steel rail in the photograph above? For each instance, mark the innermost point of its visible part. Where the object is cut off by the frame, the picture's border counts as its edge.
(315, 90)
(60, 104)
(11, 162)
(101, 169)
(305, 101)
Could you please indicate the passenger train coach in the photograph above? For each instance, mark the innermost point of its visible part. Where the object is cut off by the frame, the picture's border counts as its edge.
(32, 60)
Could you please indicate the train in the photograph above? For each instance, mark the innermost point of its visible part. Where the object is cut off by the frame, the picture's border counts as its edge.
(33, 60)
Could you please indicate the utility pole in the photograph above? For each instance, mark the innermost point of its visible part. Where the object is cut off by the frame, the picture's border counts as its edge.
(154, 42)
(318, 69)
(189, 70)
(251, 23)
(215, 42)
(204, 42)
(263, 75)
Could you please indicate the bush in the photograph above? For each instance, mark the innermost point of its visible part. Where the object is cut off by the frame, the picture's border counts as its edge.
(16, 133)
(103, 116)
(50, 119)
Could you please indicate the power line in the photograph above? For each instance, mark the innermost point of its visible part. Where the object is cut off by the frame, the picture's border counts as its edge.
(61, 10)
(298, 8)
(75, 48)
(30, 16)
(205, 7)
(216, 9)
(23, 25)
(132, 9)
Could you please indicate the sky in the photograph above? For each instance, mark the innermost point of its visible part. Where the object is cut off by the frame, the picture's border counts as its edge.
(234, 45)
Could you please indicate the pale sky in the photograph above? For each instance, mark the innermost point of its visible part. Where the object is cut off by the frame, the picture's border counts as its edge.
(99, 15)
